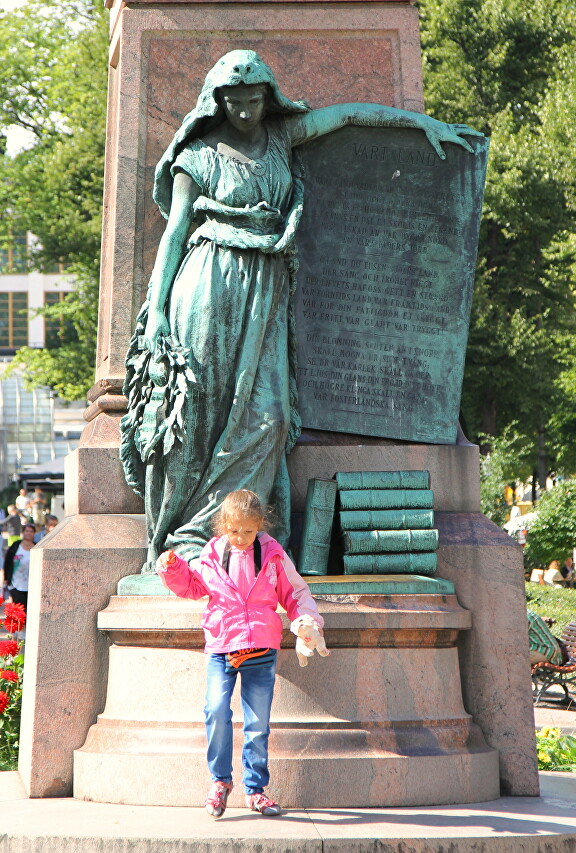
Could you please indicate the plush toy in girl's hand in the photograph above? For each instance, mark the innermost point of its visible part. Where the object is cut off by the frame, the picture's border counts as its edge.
(308, 638)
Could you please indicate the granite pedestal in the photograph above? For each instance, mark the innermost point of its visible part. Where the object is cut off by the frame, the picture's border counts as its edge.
(66, 679)
(380, 722)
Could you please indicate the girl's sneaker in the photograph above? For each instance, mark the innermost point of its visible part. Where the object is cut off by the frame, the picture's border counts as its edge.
(217, 798)
(261, 803)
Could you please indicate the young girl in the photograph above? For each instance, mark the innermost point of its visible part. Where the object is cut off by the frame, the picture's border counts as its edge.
(245, 573)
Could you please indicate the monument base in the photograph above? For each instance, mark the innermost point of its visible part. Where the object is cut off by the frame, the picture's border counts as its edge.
(66, 679)
(378, 723)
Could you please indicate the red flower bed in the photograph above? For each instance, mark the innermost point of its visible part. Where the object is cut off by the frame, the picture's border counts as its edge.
(14, 617)
(4, 701)
(11, 680)
(9, 648)
(9, 675)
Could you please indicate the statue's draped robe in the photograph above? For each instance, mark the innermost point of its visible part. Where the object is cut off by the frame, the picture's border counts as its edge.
(228, 412)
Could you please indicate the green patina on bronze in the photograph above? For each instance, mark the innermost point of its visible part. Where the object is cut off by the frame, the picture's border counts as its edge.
(387, 248)
(378, 541)
(316, 533)
(390, 564)
(386, 499)
(391, 585)
(383, 479)
(143, 584)
(211, 368)
(387, 519)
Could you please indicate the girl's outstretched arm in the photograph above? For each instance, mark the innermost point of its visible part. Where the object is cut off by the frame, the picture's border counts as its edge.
(308, 126)
(179, 577)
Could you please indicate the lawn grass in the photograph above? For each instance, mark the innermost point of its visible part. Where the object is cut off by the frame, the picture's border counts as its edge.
(559, 604)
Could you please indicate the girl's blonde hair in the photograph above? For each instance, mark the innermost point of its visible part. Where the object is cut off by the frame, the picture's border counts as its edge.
(241, 504)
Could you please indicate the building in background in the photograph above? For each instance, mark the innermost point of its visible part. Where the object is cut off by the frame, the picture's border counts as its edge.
(34, 426)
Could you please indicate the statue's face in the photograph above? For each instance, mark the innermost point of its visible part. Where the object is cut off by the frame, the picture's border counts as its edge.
(245, 106)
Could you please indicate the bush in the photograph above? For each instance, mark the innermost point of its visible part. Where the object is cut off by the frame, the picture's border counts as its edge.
(552, 534)
(558, 604)
(555, 750)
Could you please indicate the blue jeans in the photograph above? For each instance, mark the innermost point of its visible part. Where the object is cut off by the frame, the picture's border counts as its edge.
(256, 691)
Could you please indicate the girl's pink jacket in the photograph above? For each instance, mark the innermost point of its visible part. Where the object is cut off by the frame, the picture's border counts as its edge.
(231, 621)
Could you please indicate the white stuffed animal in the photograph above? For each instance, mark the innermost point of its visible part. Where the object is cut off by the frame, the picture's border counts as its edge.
(308, 638)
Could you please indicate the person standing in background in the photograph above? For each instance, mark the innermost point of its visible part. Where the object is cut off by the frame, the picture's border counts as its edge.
(17, 566)
(12, 525)
(552, 575)
(23, 502)
(38, 508)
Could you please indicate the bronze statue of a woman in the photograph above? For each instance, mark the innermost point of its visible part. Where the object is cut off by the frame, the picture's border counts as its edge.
(211, 371)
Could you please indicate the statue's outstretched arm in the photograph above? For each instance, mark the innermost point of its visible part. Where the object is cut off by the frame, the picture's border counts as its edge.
(170, 253)
(315, 123)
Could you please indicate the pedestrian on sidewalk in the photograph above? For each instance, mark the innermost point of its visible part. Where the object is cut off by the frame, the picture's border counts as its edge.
(12, 524)
(17, 566)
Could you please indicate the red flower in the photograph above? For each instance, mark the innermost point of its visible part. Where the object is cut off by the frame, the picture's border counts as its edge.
(16, 611)
(15, 617)
(4, 701)
(9, 648)
(9, 675)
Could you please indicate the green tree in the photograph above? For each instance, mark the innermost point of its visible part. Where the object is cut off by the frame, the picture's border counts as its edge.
(552, 534)
(53, 67)
(502, 66)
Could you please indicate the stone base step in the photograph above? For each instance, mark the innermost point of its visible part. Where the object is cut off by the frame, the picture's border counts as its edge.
(347, 780)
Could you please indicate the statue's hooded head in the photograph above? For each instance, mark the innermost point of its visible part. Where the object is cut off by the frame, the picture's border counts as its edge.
(238, 66)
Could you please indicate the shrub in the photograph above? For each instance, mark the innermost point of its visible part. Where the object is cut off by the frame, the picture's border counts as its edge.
(555, 750)
(558, 604)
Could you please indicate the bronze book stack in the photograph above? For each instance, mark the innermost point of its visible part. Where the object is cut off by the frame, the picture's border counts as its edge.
(387, 522)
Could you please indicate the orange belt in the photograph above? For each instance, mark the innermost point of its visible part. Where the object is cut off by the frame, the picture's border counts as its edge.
(237, 658)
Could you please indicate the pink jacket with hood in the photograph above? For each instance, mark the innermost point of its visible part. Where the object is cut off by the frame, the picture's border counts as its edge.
(231, 620)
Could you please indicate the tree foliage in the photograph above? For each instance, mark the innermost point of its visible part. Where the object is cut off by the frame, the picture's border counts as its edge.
(53, 84)
(506, 68)
(552, 534)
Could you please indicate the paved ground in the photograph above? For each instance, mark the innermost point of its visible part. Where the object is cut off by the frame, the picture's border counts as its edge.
(557, 717)
(508, 825)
